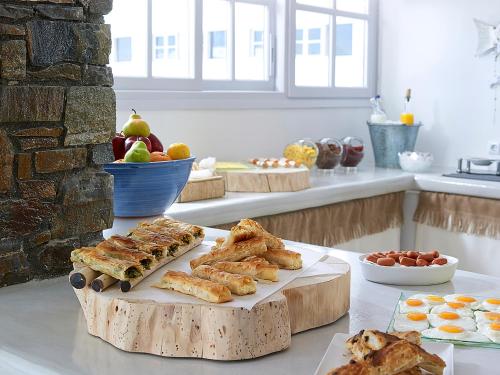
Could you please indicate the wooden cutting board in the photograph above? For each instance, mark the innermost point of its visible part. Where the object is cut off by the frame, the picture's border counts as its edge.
(268, 180)
(218, 332)
(207, 188)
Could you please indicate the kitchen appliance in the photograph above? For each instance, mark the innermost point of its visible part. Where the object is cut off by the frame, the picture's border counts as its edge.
(470, 168)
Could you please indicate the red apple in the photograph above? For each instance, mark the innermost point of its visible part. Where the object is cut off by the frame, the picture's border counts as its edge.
(155, 143)
(118, 143)
(131, 140)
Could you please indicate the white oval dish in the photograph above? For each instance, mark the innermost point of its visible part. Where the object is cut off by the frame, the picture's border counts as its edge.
(401, 275)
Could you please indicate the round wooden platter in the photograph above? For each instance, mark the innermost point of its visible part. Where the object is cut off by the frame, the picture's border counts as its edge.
(218, 332)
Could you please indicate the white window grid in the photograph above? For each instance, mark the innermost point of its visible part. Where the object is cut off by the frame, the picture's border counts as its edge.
(332, 92)
(198, 83)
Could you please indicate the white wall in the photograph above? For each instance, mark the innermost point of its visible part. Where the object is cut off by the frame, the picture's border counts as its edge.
(429, 45)
(243, 134)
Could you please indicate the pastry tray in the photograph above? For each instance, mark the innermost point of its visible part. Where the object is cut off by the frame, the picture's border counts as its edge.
(406, 295)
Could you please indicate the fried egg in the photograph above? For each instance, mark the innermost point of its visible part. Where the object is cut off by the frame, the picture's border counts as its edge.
(487, 317)
(429, 299)
(451, 332)
(491, 331)
(491, 304)
(456, 307)
(414, 321)
(447, 317)
(469, 301)
(413, 305)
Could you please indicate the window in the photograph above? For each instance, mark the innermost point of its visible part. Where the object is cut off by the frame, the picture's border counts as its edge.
(123, 49)
(300, 48)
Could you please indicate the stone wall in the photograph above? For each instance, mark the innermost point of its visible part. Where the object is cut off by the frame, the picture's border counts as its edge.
(57, 118)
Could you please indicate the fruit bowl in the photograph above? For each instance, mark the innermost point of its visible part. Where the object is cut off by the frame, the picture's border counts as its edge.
(147, 189)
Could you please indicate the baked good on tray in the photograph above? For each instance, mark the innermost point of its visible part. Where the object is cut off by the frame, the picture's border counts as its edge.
(237, 284)
(204, 289)
(254, 269)
(375, 352)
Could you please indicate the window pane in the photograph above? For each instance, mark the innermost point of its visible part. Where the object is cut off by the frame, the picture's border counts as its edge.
(355, 6)
(173, 25)
(129, 51)
(216, 39)
(299, 34)
(312, 63)
(251, 42)
(318, 3)
(351, 58)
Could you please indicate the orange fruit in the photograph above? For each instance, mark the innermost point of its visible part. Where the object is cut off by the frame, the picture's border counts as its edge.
(159, 156)
(178, 151)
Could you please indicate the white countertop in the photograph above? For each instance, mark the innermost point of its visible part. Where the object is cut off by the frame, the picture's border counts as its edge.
(43, 332)
(325, 190)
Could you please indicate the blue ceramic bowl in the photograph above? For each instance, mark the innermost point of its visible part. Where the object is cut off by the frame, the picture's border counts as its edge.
(148, 189)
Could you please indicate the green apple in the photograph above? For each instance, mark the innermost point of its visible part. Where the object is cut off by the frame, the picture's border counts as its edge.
(136, 126)
(138, 153)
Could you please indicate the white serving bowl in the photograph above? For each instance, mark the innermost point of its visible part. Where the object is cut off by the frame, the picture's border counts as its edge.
(415, 162)
(400, 275)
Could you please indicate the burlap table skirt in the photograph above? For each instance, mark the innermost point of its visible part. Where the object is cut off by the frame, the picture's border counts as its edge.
(336, 223)
(459, 213)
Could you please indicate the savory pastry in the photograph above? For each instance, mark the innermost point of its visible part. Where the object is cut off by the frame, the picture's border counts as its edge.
(111, 250)
(287, 259)
(170, 244)
(156, 250)
(248, 228)
(254, 269)
(237, 284)
(176, 233)
(255, 259)
(117, 268)
(195, 230)
(234, 252)
(204, 289)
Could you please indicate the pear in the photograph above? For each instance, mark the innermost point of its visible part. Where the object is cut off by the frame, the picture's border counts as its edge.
(136, 126)
(138, 153)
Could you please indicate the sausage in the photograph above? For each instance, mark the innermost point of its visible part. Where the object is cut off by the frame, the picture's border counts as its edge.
(388, 262)
(395, 256)
(440, 261)
(426, 256)
(422, 263)
(412, 254)
(408, 262)
(435, 253)
(371, 258)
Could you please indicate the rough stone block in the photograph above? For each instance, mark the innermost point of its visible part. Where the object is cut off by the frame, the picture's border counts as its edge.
(20, 217)
(53, 258)
(38, 189)
(12, 30)
(86, 186)
(56, 12)
(60, 160)
(14, 268)
(91, 239)
(24, 171)
(51, 42)
(90, 115)
(83, 218)
(94, 75)
(13, 59)
(31, 103)
(40, 132)
(15, 12)
(65, 71)
(40, 142)
(102, 154)
(6, 162)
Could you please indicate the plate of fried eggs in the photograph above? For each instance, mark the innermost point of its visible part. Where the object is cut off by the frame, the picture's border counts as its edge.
(457, 318)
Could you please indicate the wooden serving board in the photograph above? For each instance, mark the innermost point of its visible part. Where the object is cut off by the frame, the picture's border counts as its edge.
(267, 180)
(207, 188)
(218, 332)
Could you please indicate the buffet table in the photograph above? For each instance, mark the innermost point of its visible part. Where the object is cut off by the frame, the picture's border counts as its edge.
(43, 331)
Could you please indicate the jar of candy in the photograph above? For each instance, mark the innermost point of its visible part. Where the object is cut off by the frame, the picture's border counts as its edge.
(304, 151)
(330, 152)
(353, 152)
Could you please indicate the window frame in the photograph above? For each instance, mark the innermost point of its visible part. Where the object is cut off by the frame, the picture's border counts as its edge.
(197, 83)
(294, 91)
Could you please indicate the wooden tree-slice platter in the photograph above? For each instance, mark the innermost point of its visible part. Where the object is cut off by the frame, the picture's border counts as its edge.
(268, 180)
(218, 332)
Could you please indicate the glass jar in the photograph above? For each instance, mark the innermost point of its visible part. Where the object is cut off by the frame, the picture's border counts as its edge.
(353, 152)
(304, 151)
(330, 152)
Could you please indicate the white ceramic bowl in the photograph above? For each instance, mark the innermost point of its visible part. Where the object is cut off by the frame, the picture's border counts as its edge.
(400, 275)
(415, 162)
